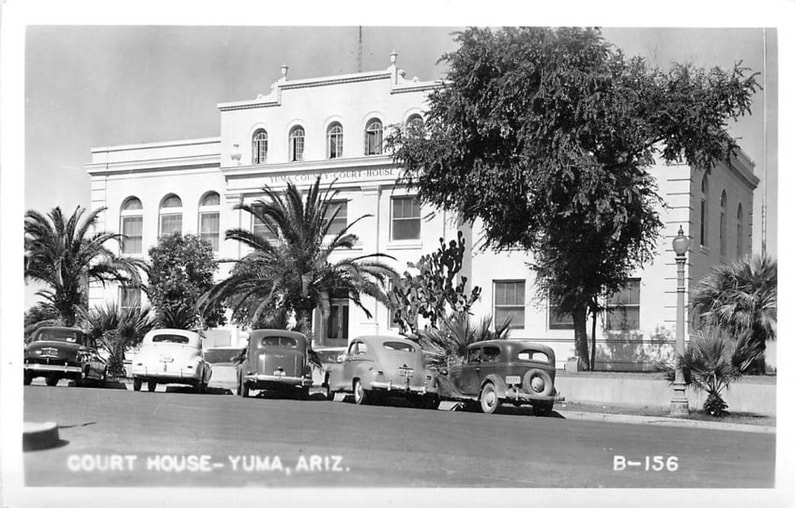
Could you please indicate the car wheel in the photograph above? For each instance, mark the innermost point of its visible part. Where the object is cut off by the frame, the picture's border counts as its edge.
(201, 388)
(52, 380)
(104, 379)
(542, 409)
(303, 393)
(151, 385)
(28, 378)
(360, 395)
(489, 401)
(538, 382)
(244, 391)
(137, 384)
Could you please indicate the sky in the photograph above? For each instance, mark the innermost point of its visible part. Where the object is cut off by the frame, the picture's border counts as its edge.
(93, 86)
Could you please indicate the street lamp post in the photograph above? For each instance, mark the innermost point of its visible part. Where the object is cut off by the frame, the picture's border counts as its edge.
(679, 404)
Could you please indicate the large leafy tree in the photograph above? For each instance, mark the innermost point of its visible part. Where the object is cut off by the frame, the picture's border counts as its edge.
(66, 254)
(295, 266)
(740, 299)
(181, 270)
(546, 136)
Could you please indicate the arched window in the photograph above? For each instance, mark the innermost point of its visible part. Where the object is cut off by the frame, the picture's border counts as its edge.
(373, 137)
(740, 232)
(723, 223)
(132, 223)
(297, 143)
(704, 207)
(259, 147)
(170, 215)
(414, 123)
(334, 141)
(210, 219)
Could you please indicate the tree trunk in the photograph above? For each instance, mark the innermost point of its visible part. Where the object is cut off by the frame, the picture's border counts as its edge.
(581, 337)
(593, 340)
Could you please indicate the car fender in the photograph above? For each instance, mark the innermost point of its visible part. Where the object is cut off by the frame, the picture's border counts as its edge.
(499, 384)
(365, 372)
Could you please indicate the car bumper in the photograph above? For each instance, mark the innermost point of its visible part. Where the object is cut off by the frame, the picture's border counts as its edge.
(44, 368)
(261, 379)
(513, 395)
(178, 376)
(399, 388)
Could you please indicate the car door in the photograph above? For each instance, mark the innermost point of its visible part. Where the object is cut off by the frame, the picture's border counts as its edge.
(355, 362)
(469, 382)
(342, 380)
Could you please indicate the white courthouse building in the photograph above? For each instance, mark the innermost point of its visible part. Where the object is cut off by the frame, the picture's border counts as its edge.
(333, 127)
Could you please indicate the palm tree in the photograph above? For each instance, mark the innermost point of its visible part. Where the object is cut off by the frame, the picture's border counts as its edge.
(64, 254)
(117, 329)
(740, 299)
(293, 268)
(447, 343)
(710, 363)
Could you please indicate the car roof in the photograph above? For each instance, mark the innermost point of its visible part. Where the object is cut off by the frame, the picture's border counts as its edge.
(258, 334)
(172, 331)
(380, 339)
(511, 343)
(59, 328)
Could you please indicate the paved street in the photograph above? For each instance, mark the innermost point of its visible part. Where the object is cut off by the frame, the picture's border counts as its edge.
(141, 435)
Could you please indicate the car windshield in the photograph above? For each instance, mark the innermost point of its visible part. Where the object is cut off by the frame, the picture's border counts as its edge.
(399, 346)
(73, 336)
(174, 339)
(277, 341)
(221, 355)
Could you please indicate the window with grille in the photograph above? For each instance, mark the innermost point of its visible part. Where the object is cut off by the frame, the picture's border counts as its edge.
(171, 216)
(129, 298)
(210, 219)
(334, 141)
(704, 232)
(373, 137)
(405, 218)
(340, 221)
(623, 308)
(259, 147)
(132, 223)
(740, 232)
(297, 144)
(509, 302)
(559, 320)
(260, 228)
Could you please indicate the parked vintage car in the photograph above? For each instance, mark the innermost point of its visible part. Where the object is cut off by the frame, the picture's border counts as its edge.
(496, 371)
(380, 365)
(170, 356)
(58, 352)
(278, 360)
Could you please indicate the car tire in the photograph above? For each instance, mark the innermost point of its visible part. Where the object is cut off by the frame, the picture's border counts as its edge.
(244, 391)
(201, 388)
(542, 409)
(52, 380)
(28, 378)
(538, 382)
(489, 400)
(151, 385)
(303, 393)
(137, 383)
(360, 395)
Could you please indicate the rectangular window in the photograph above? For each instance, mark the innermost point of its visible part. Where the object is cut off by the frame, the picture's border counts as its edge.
(258, 228)
(509, 302)
(129, 298)
(559, 320)
(209, 225)
(170, 224)
(337, 324)
(340, 222)
(623, 307)
(132, 228)
(405, 218)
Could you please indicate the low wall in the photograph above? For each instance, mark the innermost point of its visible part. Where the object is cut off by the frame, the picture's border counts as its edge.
(745, 397)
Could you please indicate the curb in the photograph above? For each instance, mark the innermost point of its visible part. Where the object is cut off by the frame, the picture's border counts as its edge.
(38, 436)
(665, 421)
